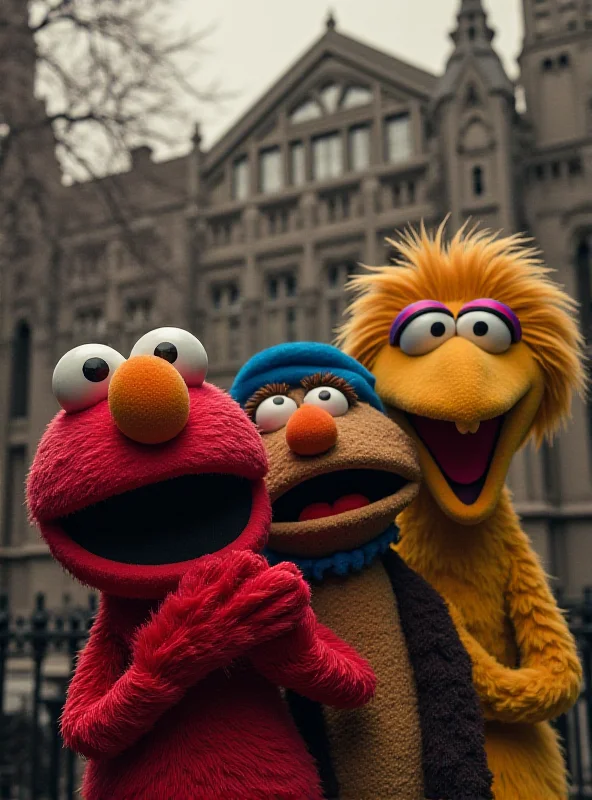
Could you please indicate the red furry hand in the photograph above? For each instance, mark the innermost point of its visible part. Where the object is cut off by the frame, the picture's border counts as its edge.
(223, 607)
(315, 662)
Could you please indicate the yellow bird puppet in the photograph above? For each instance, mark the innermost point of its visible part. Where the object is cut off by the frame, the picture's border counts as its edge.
(475, 350)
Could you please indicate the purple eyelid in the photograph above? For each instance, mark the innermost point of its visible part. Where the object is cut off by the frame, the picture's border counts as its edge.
(411, 312)
(500, 310)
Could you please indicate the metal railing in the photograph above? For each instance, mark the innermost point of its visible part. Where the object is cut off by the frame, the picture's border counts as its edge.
(37, 655)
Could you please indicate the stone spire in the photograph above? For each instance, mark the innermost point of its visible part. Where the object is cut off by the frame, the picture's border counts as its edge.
(473, 39)
(330, 22)
(472, 31)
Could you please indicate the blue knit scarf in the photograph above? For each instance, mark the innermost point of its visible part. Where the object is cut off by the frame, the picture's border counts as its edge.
(340, 564)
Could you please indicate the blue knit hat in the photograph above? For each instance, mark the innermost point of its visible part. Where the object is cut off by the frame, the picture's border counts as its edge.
(290, 363)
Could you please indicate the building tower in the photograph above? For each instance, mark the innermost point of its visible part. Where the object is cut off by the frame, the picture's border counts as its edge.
(29, 177)
(473, 119)
(556, 68)
(556, 175)
(556, 72)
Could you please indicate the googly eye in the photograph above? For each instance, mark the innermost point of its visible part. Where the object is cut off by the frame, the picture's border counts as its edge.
(274, 412)
(82, 376)
(329, 398)
(485, 329)
(180, 348)
(426, 332)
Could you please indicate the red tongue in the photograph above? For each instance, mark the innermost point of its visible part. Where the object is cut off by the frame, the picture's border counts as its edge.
(463, 457)
(348, 502)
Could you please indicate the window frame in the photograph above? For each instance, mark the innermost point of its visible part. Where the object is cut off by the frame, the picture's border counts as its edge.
(388, 122)
(238, 163)
(329, 136)
(267, 153)
(366, 127)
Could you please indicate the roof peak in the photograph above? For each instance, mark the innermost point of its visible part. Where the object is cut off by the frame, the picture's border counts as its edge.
(472, 31)
(468, 6)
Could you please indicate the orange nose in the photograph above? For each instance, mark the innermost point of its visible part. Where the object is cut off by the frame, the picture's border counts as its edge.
(148, 400)
(311, 431)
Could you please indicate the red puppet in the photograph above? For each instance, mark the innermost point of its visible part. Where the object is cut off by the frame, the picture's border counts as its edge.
(148, 486)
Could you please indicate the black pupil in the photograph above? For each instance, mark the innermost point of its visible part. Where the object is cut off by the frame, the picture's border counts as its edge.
(95, 370)
(325, 395)
(480, 328)
(438, 329)
(278, 401)
(166, 350)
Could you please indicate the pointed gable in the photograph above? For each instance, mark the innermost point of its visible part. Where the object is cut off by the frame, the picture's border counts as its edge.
(336, 72)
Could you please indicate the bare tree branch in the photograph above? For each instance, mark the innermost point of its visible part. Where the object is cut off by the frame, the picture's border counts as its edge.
(113, 74)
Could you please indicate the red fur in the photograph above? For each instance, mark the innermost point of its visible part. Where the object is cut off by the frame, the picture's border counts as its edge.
(83, 458)
(175, 694)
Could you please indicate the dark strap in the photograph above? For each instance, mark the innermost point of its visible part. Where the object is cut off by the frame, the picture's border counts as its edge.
(452, 727)
(310, 721)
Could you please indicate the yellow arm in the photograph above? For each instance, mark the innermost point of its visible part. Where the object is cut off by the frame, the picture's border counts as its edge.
(548, 681)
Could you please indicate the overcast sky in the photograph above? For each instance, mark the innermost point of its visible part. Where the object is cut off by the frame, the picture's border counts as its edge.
(255, 41)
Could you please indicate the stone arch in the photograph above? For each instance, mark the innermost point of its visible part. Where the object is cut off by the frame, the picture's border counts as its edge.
(475, 135)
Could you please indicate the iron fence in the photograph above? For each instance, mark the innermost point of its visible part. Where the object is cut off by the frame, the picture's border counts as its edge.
(37, 654)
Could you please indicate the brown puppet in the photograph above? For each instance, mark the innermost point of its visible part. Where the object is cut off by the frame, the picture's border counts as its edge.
(340, 472)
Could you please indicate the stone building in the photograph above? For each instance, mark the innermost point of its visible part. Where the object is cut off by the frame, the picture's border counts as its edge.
(251, 242)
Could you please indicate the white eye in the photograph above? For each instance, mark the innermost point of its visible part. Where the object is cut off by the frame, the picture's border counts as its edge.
(329, 398)
(486, 330)
(81, 378)
(180, 348)
(273, 413)
(426, 332)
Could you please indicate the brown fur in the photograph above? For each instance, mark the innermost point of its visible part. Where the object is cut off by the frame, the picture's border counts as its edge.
(385, 735)
(385, 751)
(366, 439)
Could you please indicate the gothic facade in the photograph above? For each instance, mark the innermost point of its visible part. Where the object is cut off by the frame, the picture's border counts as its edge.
(251, 242)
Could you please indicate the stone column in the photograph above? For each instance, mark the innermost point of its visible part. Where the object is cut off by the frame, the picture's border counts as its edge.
(310, 300)
(370, 189)
(309, 295)
(309, 272)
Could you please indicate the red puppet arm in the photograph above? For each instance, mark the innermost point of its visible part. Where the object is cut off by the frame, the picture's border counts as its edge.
(222, 608)
(314, 662)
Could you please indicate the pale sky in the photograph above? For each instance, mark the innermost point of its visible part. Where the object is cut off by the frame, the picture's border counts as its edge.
(255, 41)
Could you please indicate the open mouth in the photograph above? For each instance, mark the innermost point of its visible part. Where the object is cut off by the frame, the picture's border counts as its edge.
(335, 493)
(462, 458)
(164, 523)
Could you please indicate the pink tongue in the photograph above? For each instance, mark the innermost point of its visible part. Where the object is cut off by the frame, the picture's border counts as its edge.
(463, 457)
(348, 502)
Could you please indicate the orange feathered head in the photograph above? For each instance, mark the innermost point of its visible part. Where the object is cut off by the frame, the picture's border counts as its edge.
(459, 378)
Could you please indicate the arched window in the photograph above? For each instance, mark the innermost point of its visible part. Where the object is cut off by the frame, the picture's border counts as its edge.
(306, 111)
(356, 96)
(330, 95)
(478, 181)
(20, 368)
(472, 98)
